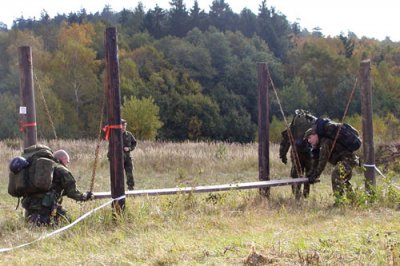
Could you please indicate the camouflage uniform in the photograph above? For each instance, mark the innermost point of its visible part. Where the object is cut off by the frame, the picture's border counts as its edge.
(298, 126)
(45, 208)
(128, 141)
(343, 159)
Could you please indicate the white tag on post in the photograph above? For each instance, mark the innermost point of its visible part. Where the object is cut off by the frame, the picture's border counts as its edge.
(22, 110)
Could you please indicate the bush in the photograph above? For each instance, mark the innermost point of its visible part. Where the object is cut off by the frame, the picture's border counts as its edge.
(142, 117)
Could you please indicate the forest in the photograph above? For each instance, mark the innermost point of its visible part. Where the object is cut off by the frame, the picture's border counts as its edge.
(187, 74)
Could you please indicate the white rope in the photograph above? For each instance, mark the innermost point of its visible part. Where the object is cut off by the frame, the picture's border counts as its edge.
(380, 172)
(376, 169)
(63, 228)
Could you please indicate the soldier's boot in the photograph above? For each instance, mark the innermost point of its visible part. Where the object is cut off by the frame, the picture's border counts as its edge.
(296, 190)
(306, 190)
(130, 182)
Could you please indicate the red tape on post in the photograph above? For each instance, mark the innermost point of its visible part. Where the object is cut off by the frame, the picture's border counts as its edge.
(108, 128)
(23, 126)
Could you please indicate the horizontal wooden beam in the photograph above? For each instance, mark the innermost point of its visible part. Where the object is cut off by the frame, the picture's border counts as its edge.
(204, 189)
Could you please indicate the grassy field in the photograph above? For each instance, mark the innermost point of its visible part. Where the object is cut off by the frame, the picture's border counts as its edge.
(226, 228)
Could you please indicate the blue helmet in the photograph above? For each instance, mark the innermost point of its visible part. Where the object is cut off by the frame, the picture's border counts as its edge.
(17, 164)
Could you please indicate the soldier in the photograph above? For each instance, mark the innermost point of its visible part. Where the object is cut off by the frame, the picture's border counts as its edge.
(129, 144)
(45, 208)
(341, 156)
(300, 123)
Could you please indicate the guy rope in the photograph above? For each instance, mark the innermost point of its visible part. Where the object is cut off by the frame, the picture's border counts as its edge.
(290, 134)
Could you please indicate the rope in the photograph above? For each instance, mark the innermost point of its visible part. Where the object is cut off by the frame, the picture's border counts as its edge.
(99, 139)
(380, 173)
(46, 107)
(344, 115)
(290, 135)
(63, 228)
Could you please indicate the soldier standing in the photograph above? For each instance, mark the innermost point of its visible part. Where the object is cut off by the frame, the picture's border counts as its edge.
(129, 144)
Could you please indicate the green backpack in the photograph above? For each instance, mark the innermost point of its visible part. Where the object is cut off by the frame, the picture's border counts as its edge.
(37, 177)
(302, 121)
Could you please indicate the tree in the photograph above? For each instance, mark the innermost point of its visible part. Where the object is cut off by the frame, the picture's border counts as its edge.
(222, 16)
(155, 22)
(75, 73)
(274, 28)
(198, 18)
(9, 116)
(142, 117)
(296, 96)
(178, 18)
(247, 22)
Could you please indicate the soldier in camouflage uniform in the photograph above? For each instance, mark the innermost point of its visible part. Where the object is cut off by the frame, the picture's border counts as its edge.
(343, 159)
(45, 208)
(129, 144)
(300, 123)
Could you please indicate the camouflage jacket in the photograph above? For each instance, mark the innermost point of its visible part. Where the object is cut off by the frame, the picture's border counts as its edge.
(302, 121)
(64, 184)
(128, 141)
(339, 152)
(301, 145)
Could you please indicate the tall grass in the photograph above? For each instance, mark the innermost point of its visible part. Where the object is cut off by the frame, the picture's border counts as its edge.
(227, 228)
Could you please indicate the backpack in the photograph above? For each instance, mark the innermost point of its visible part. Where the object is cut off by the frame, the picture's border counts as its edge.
(348, 135)
(302, 121)
(37, 177)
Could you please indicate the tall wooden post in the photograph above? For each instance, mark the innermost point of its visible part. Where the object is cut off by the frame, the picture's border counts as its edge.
(114, 120)
(367, 126)
(263, 126)
(27, 108)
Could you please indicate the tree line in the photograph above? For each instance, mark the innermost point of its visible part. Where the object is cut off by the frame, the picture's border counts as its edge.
(188, 74)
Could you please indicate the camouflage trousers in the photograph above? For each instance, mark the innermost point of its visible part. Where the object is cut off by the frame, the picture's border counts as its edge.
(341, 175)
(43, 210)
(305, 166)
(45, 217)
(128, 166)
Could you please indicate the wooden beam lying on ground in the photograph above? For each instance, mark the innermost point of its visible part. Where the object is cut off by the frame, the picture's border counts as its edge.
(204, 189)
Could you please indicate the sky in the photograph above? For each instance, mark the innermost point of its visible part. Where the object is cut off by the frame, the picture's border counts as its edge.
(369, 18)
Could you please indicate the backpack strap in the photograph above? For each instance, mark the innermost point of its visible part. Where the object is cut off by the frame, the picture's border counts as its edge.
(320, 126)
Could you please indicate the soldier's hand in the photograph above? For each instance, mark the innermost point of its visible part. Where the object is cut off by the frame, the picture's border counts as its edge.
(87, 196)
(284, 159)
(312, 179)
(126, 149)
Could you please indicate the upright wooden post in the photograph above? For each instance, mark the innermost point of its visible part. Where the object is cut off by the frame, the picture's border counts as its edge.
(27, 108)
(367, 126)
(114, 120)
(263, 126)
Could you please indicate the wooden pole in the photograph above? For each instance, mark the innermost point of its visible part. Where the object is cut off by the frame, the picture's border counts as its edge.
(367, 126)
(27, 108)
(263, 127)
(114, 120)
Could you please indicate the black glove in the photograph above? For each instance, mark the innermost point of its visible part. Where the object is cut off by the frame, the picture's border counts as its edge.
(312, 179)
(87, 196)
(284, 159)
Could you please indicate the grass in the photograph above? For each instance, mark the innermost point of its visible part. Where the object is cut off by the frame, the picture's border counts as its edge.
(226, 228)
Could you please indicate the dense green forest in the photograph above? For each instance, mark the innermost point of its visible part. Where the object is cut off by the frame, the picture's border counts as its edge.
(188, 74)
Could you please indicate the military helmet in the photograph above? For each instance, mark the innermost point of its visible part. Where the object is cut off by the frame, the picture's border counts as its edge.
(17, 164)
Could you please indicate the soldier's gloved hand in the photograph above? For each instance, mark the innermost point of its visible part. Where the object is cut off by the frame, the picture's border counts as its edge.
(284, 159)
(87, 196)
(312, 179)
